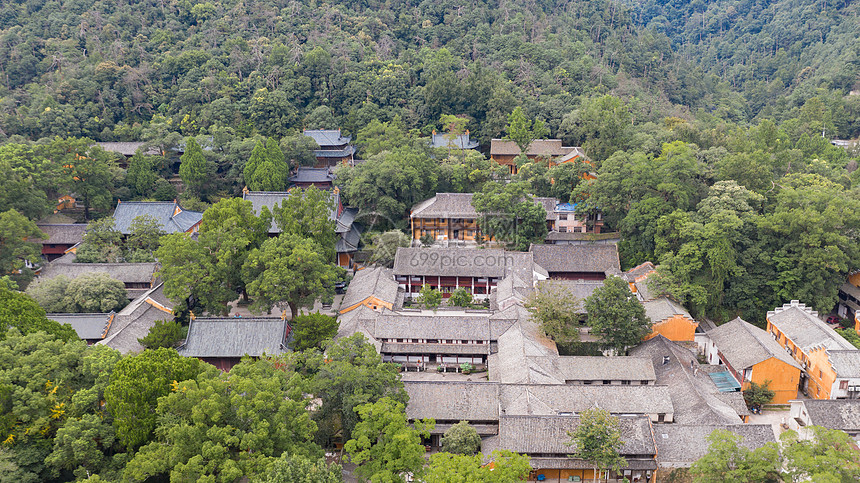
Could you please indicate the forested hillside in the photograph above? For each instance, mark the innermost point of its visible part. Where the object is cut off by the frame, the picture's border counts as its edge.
(132, 70)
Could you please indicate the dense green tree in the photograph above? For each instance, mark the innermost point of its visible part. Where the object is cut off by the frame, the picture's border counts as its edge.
(298, 150)
(728, 460)
(292, 468)
(193, 277)
(829, 455)
(92, 172)
(310, 330)
(429, 297)
(258, 157)
(555, 310)
(227, 425)
(143, 241)
(385, 246)
(137, 382)
(289, 269)
(509, 214)
(615, 315)
(195, 170)
(757, 395)
(24, 314)
(601, 125)
(461, 439)
(17, 242)
(50, 294)
(165, 333)
(143, 174)
(460, 298)
(523, 130)
(96, 292)
(383, 445)
(308, 214)
(597, 440)
(102, 243)
(269, 171)
(506, 467)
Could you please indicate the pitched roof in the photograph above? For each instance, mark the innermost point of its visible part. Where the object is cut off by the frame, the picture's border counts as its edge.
(127, 148)
(335, 153)
(306, 174)
(591, 257)
(270, 199)
(846, 363)
(663, 308)
(457, 401)
(745, 345)
(327, 137)
(575, 152)
(62, 233)
(802, 325)
(596, 368)
(437, 326)
(549, 434)
(524, 354)
(843, 414)
(552, 399)
(446, 205)
(444, 140)
(124, 272)
(135, 320)
(639, 272)
(463, 262)
(235, 337)
(679, 446)
(88, 326)
(371, 282)
(538, 147)
(695, 398)
(168, 214)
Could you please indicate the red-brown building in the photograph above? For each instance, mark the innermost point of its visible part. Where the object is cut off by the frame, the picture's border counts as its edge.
(504, 152)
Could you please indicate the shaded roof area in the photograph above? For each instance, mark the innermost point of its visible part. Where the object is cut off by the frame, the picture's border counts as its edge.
(127, 148)
(327, 137)
(745, 345)
(578, 289)
(235, 337)
(306, 174)
(457, 401)
(679, 446)
(552, 399)
(270, 199)
(62, 233)
(87, 326)
(446, 140)
(168, 214)
(591, 257)
(451, 262)
(538, 147)
(438, 326)
(695, 398)
(663, 308)
(802, 325)
(371, 282)
(600, 368)
(135, 320)
(842, 414)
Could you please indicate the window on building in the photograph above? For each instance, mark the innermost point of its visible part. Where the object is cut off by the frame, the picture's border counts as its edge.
(605, 382)
(625, 383)
(562, 217)
(661, 418)
(820, 374)
(643, 383)
(562, 229)
(843, 385)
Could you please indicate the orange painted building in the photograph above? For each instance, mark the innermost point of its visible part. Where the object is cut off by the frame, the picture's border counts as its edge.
(829, 362)
(373, 288)
(670, 320)
(752, 355)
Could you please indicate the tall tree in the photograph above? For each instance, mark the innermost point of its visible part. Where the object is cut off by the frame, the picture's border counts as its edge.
(92, 172)
(616, 316)
(258, 157)
(830, 455)
(271, 173)
(311, 330)
(144, 239)
(96, 292)
(554, 309)
(193, 278)
(383, 445)
(506, 467)
(102, 243)
(195, 170)
(523, 131)
(289, 269)
(729, 460)
(461, 438)
(597, 439)
(23, 313)
(292, 468)
(142, 175)
(510, 214)
(137, 382)
(17, 243)
(308, 214)
(385, 246)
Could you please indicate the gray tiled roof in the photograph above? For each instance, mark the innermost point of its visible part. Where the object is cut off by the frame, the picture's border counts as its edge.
(446, 205)
(551, 399)
(127, 149)
(679, 446)
(63, 233)
(846, 363)
(663, 308)
(162, 212)
(135, 320)
(235, 337)
(592, 257)
(639, 271)
(802, 325)
(88, 326)
(437, 349)
(596, 368)
(842, 414)
(270, 199)
(460, 141)
(450, 262)
(306, 174)
(578, 289)
(327, 137)
(525, 354)
(124, 272)
(335, 153)
(538, 147)
(378, 282)
(549, 434)
(460, 327)
(695, 398)
(745, 345)
(457, 401)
